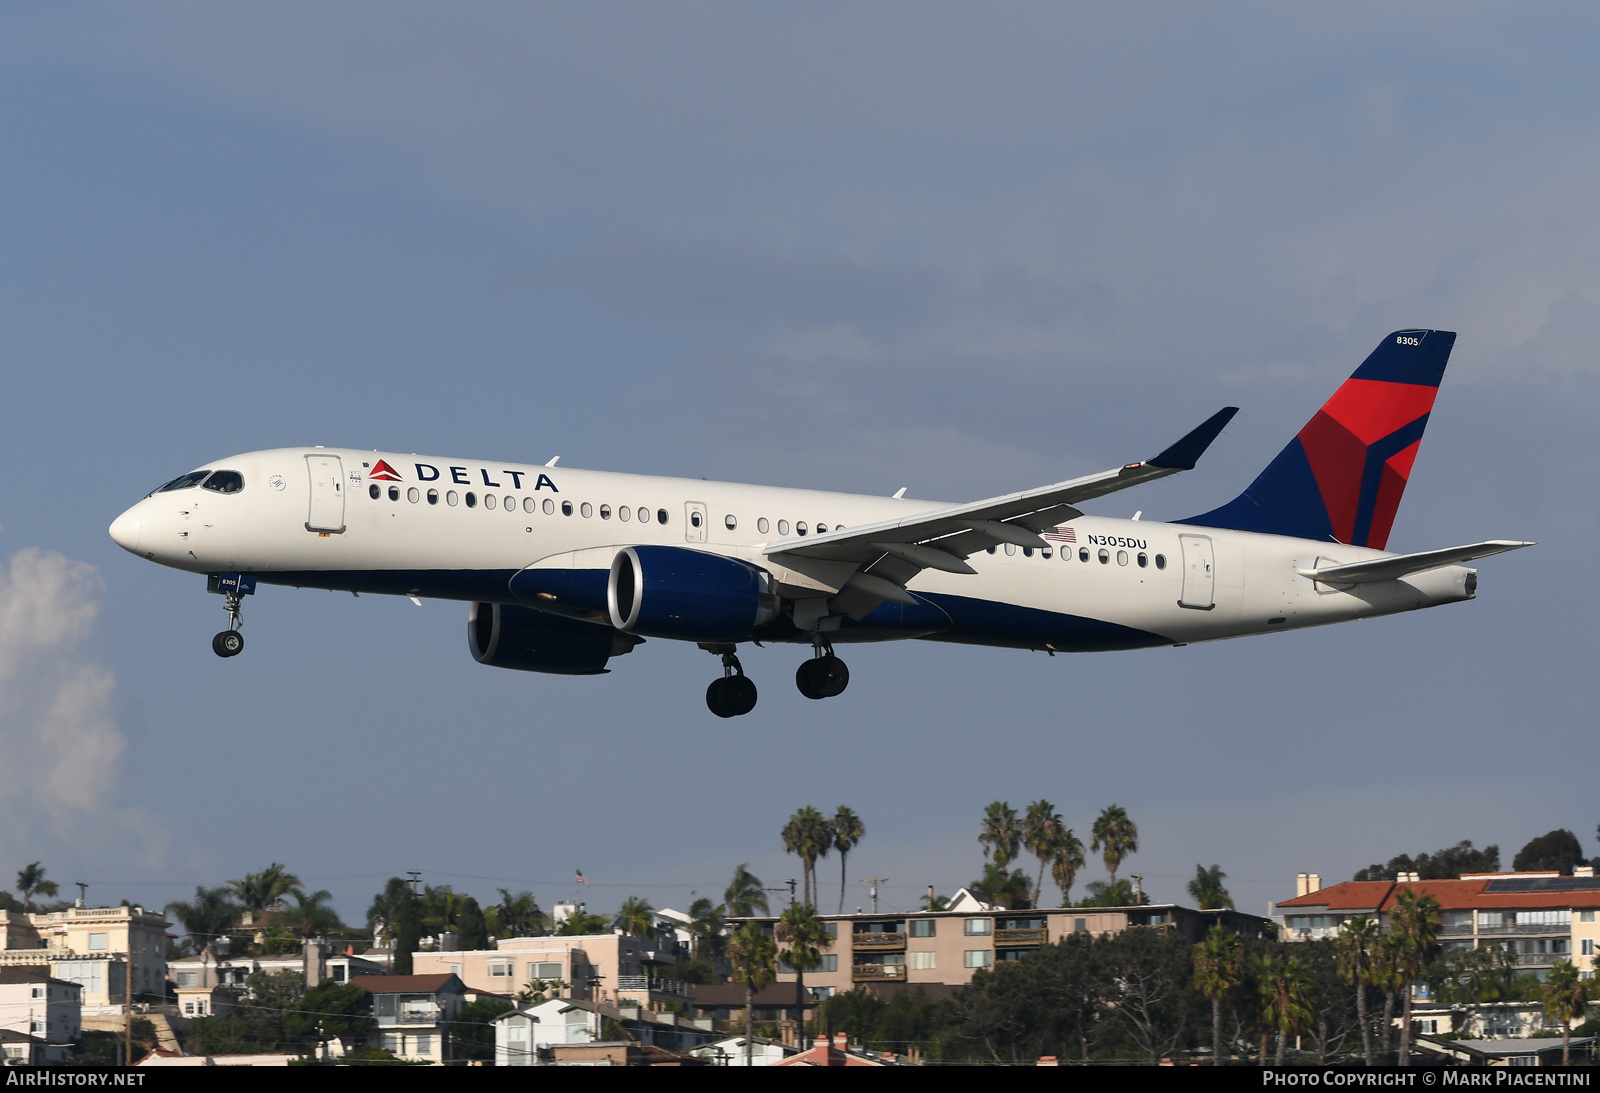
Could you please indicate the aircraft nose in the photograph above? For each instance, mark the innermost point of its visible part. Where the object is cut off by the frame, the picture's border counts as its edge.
(127, 530)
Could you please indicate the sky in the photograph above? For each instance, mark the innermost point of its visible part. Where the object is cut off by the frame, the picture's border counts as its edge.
(962, 249)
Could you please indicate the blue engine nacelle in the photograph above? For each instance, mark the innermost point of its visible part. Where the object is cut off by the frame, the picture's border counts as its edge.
(689, 595)
(506, 636)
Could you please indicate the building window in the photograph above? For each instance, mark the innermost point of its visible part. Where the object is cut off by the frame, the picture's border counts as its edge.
(499, 970)
(1585, 916)
(188, 979)
(979, 958)
(393, 1042)
(979, 927)
(97, 943)
(1080, 925)
(188, 1009)
(1588, 947)
(424, 1044)
(923, 962)
(923, 927)
(821, 994)
(830, 962)
(38, 992)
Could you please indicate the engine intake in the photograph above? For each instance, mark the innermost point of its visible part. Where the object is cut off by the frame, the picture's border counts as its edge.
(689, 595)
(507, 636)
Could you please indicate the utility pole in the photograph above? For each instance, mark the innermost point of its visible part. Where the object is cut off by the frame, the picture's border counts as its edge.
(789, 884)
(83, 893)
(1138, 888)
(416, 879)
(875, 881)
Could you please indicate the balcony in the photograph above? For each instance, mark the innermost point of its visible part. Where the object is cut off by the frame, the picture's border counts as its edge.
(1456, 929)
(1538, 960)
(1526, 928)
(1014, 938)
(429, 1016)
(655, 986)
(863, 973)
(875, 943)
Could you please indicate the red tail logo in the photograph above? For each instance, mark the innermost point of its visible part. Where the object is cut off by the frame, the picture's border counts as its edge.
(382, 472)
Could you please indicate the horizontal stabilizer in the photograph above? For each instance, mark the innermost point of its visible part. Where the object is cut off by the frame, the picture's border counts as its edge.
(1402, 565)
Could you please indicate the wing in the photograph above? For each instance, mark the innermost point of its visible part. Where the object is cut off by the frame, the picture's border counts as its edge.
(1403, 565)
(888, 554)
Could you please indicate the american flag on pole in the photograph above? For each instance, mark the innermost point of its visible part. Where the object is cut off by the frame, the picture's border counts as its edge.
(581, 878)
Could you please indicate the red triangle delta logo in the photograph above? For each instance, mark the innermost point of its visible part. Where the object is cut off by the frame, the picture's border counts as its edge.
(384, 473)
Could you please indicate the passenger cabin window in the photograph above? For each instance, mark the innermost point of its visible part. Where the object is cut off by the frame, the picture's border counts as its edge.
(661, 516)
(762, 525)
(433, 497)
(1083, 554)
(605, 512)
(624, 514)
(413, 495)
(566, 508)
(550, 507)
(510, 503)
(472, 500)
(488, 501)
(450, 498)
(730, 522)
(225, 482)
(394, 492)
(783, 527)
(529, 504)
(587, 510)
(373, 491)
(799, 527)
(1161, 561)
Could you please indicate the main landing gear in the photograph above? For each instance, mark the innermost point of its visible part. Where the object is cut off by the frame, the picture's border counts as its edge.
(824, 675)
(230, 643)
(733, 695)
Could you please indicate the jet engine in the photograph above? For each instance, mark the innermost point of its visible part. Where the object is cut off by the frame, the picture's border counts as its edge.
(506, 636)
(672, 592)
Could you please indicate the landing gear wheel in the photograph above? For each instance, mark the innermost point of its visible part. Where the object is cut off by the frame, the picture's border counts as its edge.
(734, 695)
(822, 677)
(229, 643)
(731, 696)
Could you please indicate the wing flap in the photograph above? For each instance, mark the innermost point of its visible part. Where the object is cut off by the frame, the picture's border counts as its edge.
(1403, 565)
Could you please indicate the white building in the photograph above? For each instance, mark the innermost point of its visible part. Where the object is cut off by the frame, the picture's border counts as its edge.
(35, 1004)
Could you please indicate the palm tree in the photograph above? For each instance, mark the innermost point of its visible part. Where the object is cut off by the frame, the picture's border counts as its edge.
(1115, 836)
(313, 915)
(210, 916)
(636, 917)
(806, 935)
(518, 915)
(31, 882)
(706, 926)
(1065, 863)
(267, 890)
(1414, 919)
(1218, 971)
(1565, 996)
(809, 836)
(1206, 888)
(1042, 832)
(1388, 975)
(755, 964)
(1003, 887)
(848, 831)
(1285, 988)
(745, 895)
(579, 923)
(1001, 836)
(1354, 950)
(388, 907)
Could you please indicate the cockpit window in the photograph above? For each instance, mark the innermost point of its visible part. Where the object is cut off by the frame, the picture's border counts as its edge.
(225, 482)
(193, 478)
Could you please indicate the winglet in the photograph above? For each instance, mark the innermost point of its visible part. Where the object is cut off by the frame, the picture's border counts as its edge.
(1183, 455)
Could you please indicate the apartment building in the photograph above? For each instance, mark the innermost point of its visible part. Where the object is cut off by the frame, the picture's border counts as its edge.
(1539, 918)
(410, 1012)
(35, 1004)
(93, 947)
(942, 949)
(612, 968)
(211, 982)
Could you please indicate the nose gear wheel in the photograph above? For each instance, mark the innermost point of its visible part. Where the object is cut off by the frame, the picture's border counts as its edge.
(230, 643)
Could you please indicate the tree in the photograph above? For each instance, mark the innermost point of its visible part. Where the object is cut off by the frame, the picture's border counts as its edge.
(580, 922)
(1206, 888)
(1389, 976)
(745, 895)
(1565, 996)
(848, 831)
(809, 836)
(1218, 971)
(1115, 836)
(706, 926)
(330, 1011)
(1558, 850)
(1001, 834)
(518, 915)
(1117, 892)
(1446, 864)
(637, 917)
(755, 964)
(1414, 920)
(806, 935)
(1150, 973)
(1042, 834)
(471, 1030)
(384, 912)
(313, 915)
(1284, 987)
(209, 916)
(1065, 863)
(31, 882)
(931, 902)
(1354, 952)
(266, 891)
(472, 927)
(1002, 887)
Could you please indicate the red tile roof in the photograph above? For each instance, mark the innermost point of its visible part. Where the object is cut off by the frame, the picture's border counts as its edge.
(1453, 895)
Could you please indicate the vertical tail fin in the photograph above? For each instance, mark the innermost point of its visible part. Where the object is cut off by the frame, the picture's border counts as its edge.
(1342, 475)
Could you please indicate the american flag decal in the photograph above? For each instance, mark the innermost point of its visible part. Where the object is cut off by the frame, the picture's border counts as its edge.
(1062, 535)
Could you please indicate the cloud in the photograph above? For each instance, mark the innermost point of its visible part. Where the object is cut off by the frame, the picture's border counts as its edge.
(59, 741)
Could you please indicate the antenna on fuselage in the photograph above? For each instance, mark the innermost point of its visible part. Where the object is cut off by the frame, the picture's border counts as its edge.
(552, 462)
(901, 492)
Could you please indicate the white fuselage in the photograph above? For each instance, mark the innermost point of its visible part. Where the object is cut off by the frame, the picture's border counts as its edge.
(307, 517)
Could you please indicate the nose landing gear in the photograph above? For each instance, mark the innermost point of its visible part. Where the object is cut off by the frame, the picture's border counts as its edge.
(233, 587)
(824, 675)
(734, 695)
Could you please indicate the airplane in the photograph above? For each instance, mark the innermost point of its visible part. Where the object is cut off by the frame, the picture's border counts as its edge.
(564, 569)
